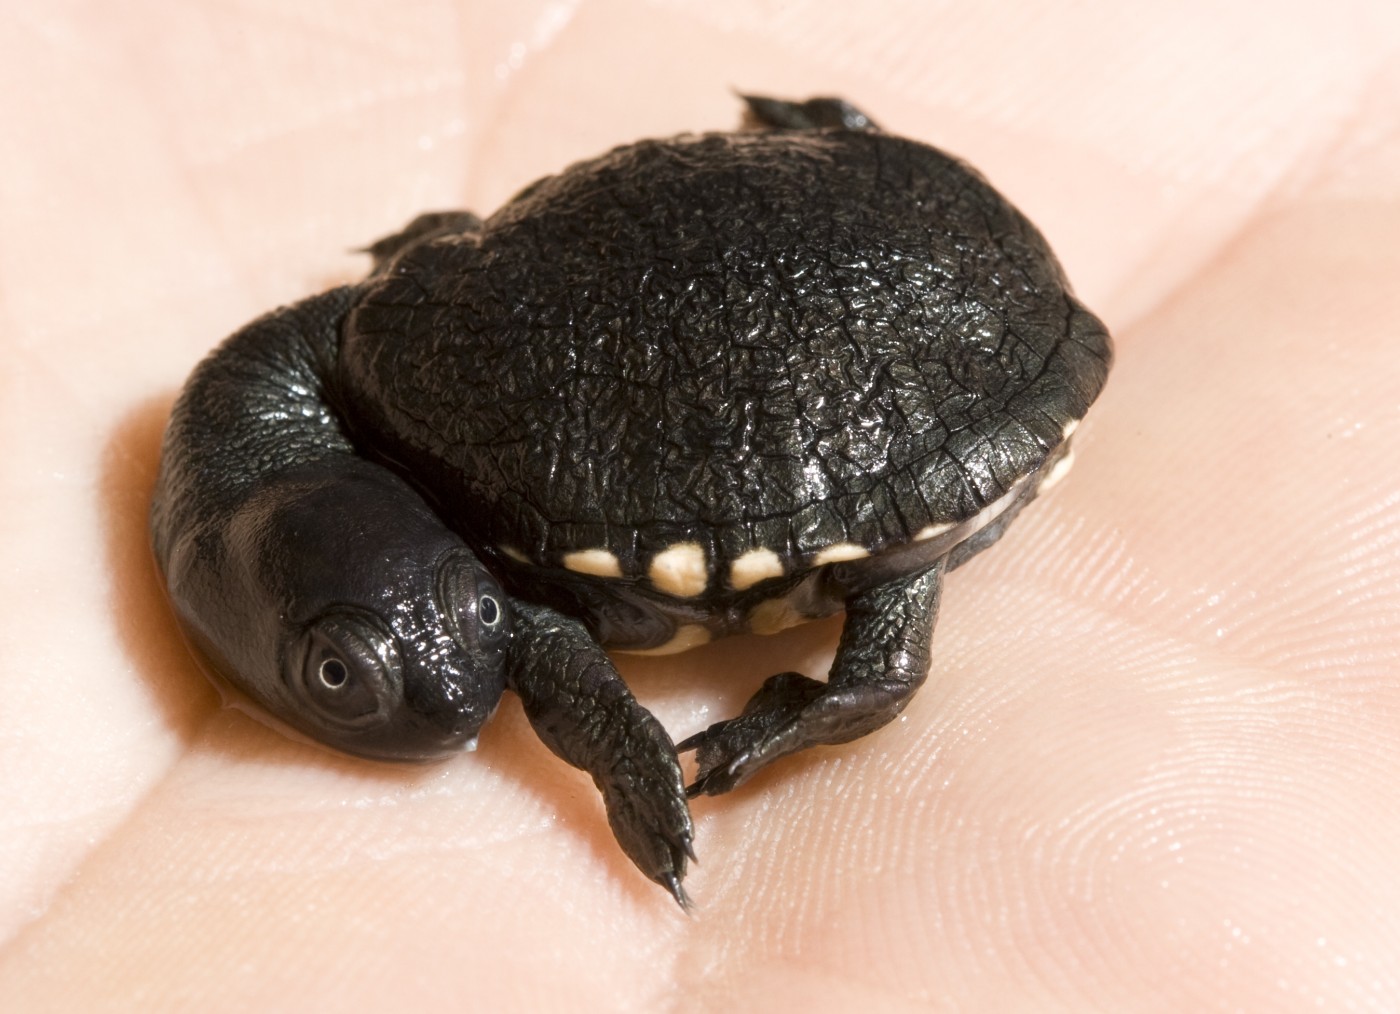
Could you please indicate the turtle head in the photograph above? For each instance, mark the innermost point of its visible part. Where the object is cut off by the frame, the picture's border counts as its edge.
(346, 610)
(406, 662)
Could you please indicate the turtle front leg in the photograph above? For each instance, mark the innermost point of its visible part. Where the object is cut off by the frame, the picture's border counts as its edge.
(882, 659)
(425, 227)
(813, 114)
(582, 709)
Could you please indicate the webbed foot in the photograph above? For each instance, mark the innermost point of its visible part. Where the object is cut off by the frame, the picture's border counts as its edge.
(644, 792)
(581, 708)
(881, 661)
(728, 752)
(421, 229)
(810, 115)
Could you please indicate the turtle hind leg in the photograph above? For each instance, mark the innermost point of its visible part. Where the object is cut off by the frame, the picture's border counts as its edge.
(810, 115)
(426, 226)
(882, 660)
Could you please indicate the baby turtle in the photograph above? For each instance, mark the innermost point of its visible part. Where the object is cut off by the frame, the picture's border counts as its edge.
(693, 387)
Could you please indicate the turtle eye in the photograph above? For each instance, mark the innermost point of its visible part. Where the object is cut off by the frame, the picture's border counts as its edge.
(475, 603)
(491, 616)
(488, 611)
(333, 673)
(348, 674)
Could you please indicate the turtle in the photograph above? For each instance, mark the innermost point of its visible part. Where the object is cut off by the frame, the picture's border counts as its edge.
(711, 384)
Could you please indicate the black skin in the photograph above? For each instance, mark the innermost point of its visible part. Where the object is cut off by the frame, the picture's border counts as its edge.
(335, 549)
(283, 548)
(882, 659)
(581, 708)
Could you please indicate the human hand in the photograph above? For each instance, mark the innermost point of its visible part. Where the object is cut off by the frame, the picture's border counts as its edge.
(1155, 762)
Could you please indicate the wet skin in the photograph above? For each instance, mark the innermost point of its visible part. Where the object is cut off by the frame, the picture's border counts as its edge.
(382, 506)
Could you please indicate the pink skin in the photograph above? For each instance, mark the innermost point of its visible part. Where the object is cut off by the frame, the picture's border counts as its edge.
(1156, 766)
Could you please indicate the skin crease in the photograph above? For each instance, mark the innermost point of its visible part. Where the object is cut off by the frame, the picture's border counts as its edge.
(1155, 767)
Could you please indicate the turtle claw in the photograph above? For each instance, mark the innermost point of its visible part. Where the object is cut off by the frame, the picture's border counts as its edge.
(650, 817)
(728, 753)
(584, 712)
(672, 883)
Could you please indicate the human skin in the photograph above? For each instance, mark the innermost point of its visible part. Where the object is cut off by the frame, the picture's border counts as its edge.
(1156, 763)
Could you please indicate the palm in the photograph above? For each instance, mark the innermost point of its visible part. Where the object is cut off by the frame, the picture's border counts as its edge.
(1155, 764)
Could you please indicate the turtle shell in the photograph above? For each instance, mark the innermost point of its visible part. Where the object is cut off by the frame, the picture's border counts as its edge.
(721, 359)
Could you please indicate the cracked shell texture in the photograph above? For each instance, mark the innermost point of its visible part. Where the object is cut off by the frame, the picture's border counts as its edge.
(781, 339)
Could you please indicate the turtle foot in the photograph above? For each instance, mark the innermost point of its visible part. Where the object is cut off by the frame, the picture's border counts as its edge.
(729, 752)
(648, 811)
